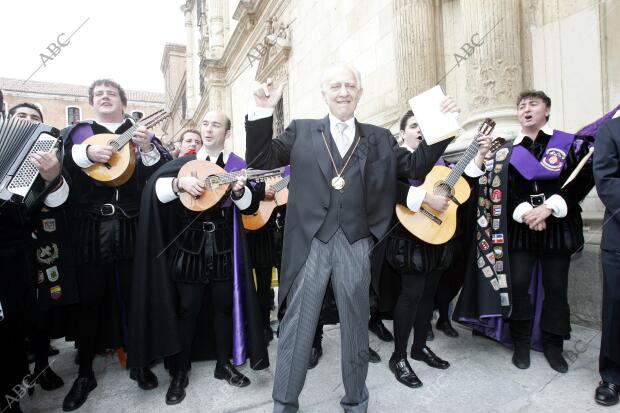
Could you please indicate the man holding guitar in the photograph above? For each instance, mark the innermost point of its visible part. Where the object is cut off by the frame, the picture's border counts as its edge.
(419, 264)
(103, 223)
(194, 259)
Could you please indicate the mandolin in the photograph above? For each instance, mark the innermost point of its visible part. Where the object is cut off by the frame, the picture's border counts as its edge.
(258, 219)
(430, 225)
(216, 182)
(121, 165)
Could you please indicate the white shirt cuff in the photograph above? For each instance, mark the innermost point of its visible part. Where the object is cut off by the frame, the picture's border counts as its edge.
(163, 190)
(244, 202)
(521, 209)
(151, 157)
(415, 197)
(558, 206)
(59, 196)
(78, 152)
(472, 170)
(256, 113)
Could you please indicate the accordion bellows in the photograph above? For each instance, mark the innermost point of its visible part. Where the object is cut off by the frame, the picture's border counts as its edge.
(20, 179)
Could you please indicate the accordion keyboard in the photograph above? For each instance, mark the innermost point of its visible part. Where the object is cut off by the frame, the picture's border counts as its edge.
(27, 173)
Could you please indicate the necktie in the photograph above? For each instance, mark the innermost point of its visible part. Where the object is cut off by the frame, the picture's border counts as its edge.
(343, 142)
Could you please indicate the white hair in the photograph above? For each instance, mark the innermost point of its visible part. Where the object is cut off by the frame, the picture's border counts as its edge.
(325, 75)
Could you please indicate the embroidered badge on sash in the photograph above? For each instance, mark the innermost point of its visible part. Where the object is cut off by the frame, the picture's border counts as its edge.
(499, 252)
(55, 292)
(47, 254)
(501, 154)
(481, 201)
(480, 262)
(49, 225)
(553, 160)
(484, 245)
(491, 257)
(496, 182)
(482, 180)
(52, 274)
(497, 210)
(504, 300)
(488, 272)
(498, 168)
(495, 284)
(502, 280)
(499, 266)
(482, 221)
(498, 238)
(496, 196)
(496, 223)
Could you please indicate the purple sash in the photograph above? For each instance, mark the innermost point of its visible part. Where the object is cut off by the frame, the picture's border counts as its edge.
(81, 133)
(552, 162)
(235, 163)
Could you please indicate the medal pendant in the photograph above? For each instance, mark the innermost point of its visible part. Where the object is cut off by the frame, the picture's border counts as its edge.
(338, 183)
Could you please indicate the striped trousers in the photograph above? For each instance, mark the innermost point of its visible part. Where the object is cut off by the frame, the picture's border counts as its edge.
(348, 266)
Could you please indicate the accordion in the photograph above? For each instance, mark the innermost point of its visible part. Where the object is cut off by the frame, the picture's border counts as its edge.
(20, 180)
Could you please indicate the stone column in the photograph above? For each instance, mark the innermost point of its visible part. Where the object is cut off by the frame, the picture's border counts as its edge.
(493, 71)
(416, 48)
(216, 28)
(192, 86)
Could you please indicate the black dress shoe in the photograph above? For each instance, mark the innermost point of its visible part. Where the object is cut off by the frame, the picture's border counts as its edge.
(430, 335)
(447, 328)
(607, 393)
(373, 356)
(79, 393)
(381, 331)
(176, 390)
(147, 380)
(404, 373)
(229, 373)
(521, 356)
(426, 355)
(315, 355)
(48, 379)
(554, 356)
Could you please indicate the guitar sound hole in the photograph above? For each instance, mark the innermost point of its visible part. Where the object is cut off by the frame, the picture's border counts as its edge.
(443, 189)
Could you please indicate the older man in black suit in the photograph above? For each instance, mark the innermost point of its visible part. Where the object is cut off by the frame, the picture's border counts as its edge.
(342, 196)
(607, 178)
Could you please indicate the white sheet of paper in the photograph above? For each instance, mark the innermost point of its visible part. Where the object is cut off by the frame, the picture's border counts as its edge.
(435, 125)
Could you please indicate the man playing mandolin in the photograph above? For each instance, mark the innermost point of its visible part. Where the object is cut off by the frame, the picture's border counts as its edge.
(194, 259)
(103, 221)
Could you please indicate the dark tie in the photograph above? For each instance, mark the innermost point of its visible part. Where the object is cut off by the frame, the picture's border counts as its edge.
(220, 160)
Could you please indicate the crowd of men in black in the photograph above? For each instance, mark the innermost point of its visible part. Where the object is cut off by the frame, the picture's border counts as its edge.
(129, 269)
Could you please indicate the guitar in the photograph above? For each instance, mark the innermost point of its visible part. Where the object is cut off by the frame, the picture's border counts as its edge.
(258, 219)
(430, 225)
(121, 165)
(216, 182)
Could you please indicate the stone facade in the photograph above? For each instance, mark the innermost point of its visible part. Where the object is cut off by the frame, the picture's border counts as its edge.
(482, 52)
(54, 99)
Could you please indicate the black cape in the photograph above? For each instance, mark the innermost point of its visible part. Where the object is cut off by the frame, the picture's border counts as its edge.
(154, 332)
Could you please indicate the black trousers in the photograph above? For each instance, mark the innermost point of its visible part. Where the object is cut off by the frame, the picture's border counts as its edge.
(263, 290)
(609, 359)
(190, 301)
(555, 320)
(414, 308)
(104, 301)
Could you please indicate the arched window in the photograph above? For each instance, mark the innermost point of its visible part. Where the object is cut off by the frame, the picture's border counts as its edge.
(74, 115)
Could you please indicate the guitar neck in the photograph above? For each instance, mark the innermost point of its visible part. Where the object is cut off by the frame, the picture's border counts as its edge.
(148, 122)
(230, 177)
(459, 168)
(281, 184)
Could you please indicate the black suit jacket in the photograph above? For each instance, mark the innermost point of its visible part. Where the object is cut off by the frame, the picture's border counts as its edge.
(607, 178)
(301, 145)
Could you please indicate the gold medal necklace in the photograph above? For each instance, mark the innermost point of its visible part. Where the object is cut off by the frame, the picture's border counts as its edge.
(338, 181)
